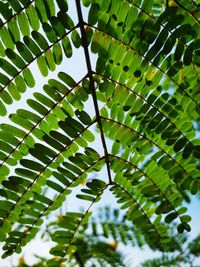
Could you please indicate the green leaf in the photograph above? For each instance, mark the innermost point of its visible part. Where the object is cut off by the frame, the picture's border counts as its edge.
(85, 197)
(12, 130)
(4, 79)
(50, 60)
(41, 10)
(71, 249)
(194, 187)
(32, 165)
(25, 173)
(7, 254)
(68, 129)
(40, 40)
(14, 29)
(67, 79)
(62, 5)
(5, 96)
(89, 136)
(37, 106)
(57, 53)
(8, 68)
(58, 86)
(2, 50)
(23, 24)
(3, 110)
(58, 26)
(185, 218)
(72, 168)
(66, 20)
(67, 47)
(6, 38)
(170, 217)
(20, 84)
(44, 100)
(180, 144)
(5, 10)
(60, 137)
(5, 205)
(86, 3)
(32, 46)
(24, 52)
(16, 6)
(93, 13)
(6, 137)
(53, 143)
(76, 39)
(50, 7)
(5, 147)
(28, 77)
(17, 60)
(42, 64)
(186, 226)
(92, 153)
(12, 89)
(27, 114)
(33, 18)
(83, 117)
(50, 33)
(55, 186)
(61, 178)
(4, 172)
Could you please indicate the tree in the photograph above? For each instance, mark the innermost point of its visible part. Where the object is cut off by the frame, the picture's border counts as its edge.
(98, 244)
(186, 256)
(145, 94)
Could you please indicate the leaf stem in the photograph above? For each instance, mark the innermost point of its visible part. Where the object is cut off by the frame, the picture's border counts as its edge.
(92, 87)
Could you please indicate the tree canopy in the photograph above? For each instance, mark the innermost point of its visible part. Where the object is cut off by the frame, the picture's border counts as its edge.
(140, 103)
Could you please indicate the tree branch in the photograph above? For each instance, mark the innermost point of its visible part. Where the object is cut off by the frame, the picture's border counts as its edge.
(92, 87)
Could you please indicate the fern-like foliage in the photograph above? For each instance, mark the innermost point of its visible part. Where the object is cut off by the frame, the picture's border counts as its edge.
(186, 256)
(97, 244)
(144, 92)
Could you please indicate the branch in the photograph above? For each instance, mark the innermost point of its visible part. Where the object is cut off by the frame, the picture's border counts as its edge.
(92, 87)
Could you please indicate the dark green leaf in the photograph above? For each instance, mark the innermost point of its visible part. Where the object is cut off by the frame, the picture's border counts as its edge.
(170, 217)
(8, 68)
(17, 60)
(76, 39)
(67, 79)
(55, 186)
(85, 197)
(40, 40)
(32, 165)
(93, 13)
(62, 5)
(24, 52)
(32, 46)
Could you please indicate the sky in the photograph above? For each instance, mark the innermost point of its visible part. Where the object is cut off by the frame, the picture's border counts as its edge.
(75, 66)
